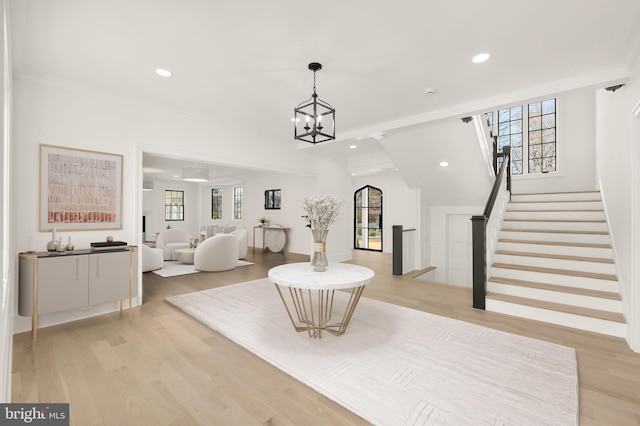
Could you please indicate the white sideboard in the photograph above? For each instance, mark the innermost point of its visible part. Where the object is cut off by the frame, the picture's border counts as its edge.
(53, 282)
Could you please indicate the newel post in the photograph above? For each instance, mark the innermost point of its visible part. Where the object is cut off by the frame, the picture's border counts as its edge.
(479, 236)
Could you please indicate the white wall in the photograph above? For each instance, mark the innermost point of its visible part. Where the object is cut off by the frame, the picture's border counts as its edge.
(78, 118)
(294, 188)
(153, 207)
(576, 154)
(7, 289)
(399, 204)
(440, 233)
(617, 165)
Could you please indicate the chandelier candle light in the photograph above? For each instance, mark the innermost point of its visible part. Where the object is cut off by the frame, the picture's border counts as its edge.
(322, 211)
(314, 119)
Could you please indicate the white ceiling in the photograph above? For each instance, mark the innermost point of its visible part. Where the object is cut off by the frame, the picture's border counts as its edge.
(244, 63)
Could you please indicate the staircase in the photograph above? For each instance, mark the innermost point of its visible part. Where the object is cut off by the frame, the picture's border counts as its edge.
(554, 263)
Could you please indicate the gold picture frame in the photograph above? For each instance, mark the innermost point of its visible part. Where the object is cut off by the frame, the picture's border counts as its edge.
(80, 190)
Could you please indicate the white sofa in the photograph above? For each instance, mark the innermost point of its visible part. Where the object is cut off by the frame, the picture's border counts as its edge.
(218, 253)
(171, 240)
(152, 258)
(241, 234)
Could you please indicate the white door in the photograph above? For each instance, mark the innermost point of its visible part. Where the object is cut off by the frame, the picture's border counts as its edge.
(459, 260)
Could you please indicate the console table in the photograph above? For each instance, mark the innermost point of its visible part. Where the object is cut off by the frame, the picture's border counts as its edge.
(273, 237)
(312, 294)
(53, 282)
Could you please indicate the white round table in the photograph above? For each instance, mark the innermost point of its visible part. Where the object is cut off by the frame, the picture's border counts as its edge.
(312, 294)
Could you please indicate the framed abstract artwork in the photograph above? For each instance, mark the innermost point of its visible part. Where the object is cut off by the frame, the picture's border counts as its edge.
(79, 189)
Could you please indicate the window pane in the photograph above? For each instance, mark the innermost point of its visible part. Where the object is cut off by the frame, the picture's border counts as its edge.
(549, 164)
(375, 239)
(516, 140)
(173, 205)
(549, 106)
(535, 123)
(516, 113)
(503, 115)
(516, 127)
(548, 121)
(516, 167)
(535, 137)
(542, 143)
(535, 109)
(535, 165)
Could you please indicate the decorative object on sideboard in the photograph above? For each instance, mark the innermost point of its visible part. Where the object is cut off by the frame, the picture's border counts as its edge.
(69, 246)
(109, 239)
(53, 244)
(60, 247)
(108, 245)
(263, 221)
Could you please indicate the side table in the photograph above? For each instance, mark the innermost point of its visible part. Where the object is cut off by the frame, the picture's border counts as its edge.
(312, 294)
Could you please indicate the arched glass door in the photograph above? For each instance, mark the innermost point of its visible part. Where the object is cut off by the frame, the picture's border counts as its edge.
(368, 218)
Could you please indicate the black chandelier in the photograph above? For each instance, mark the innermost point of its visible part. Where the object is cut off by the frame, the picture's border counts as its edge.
(314, 119)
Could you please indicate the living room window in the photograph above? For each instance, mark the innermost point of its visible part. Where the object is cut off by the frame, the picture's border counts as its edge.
(237, 203)
(173, 205)
(216, 203)
(537, 147)
(368, 219)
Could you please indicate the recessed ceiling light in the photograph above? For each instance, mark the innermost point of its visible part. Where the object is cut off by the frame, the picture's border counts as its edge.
(353, 146)
(163, 73)
(444, 164)
(481, 57)
(430, 90)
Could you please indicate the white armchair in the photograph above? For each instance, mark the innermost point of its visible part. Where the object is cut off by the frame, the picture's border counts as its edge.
(218, 253)
(171, 240)
(152, 258)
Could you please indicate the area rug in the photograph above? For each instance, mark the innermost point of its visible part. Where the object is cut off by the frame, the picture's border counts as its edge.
(172, 269)
(399, 366)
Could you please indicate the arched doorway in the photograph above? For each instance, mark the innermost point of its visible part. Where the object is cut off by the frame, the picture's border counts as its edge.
(368, 219)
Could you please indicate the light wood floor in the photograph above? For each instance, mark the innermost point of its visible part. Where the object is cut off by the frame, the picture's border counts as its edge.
(163, 367)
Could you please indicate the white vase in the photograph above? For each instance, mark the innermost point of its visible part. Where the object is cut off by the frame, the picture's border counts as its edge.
(53, 244)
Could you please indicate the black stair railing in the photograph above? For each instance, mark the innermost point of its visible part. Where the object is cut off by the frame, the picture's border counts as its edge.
(479, 226)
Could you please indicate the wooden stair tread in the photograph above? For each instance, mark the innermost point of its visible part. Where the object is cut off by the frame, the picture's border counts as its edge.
(558, 220)
(555, 231)
(576, 310)
(559, 288)
(587, 191)
(556, 243)
(556, 256)
(553, 211)
(418, 272)
(608, 277)
(553, 201)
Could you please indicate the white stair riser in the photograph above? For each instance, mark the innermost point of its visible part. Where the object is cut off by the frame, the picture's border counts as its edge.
(547, 215)
(596, 325)
(565, 264)
(557, 249)
(568, 280)
(599, 303)
(559, 205)
(556, 226)
(560, 196)
(557, 237)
